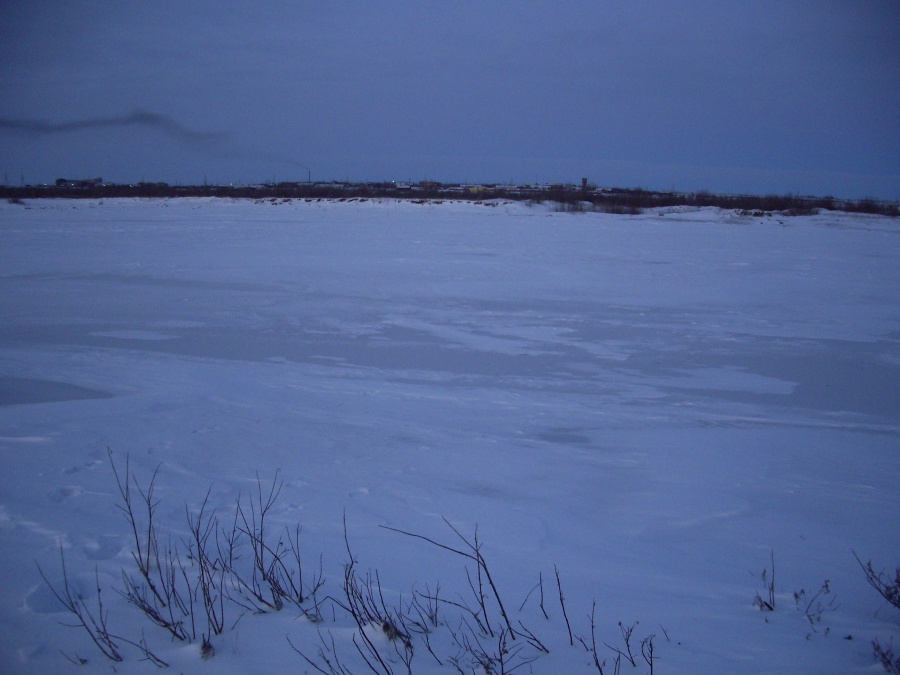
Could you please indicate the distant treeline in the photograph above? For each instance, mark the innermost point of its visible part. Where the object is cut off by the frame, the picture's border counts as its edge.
(584, 197)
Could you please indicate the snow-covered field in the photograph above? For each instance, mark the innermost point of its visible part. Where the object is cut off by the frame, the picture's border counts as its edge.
(652, 405)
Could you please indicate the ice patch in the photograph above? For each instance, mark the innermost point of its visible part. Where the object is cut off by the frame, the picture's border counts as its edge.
(729, 379)
(42, 600)
(103, 547)
(61, 494)
(134, 335)
(26, 439)
(81, 467)
(27, 391)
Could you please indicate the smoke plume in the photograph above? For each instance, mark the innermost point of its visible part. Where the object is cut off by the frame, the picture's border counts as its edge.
(213, 143)
(137, 118)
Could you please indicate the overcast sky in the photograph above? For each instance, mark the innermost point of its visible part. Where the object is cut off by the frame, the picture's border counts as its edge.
(775, 97)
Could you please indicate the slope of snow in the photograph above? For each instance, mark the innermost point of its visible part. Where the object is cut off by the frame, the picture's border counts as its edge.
(653, 405)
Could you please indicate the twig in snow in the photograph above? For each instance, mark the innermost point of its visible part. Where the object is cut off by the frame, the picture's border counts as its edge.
(562, 603)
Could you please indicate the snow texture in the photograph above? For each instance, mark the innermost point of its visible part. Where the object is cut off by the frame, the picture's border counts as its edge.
(653, 405)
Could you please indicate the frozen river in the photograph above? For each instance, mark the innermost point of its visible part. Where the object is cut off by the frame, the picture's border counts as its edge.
(651, 403)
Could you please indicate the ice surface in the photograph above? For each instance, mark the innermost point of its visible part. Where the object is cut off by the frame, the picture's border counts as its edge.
(650, 403)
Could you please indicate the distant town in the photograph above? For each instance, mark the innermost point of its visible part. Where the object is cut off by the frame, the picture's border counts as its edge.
(583, 196)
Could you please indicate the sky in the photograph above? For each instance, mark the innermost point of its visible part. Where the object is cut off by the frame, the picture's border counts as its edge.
(778, 97)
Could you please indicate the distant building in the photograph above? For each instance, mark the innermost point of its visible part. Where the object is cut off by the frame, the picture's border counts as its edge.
(78, 183)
